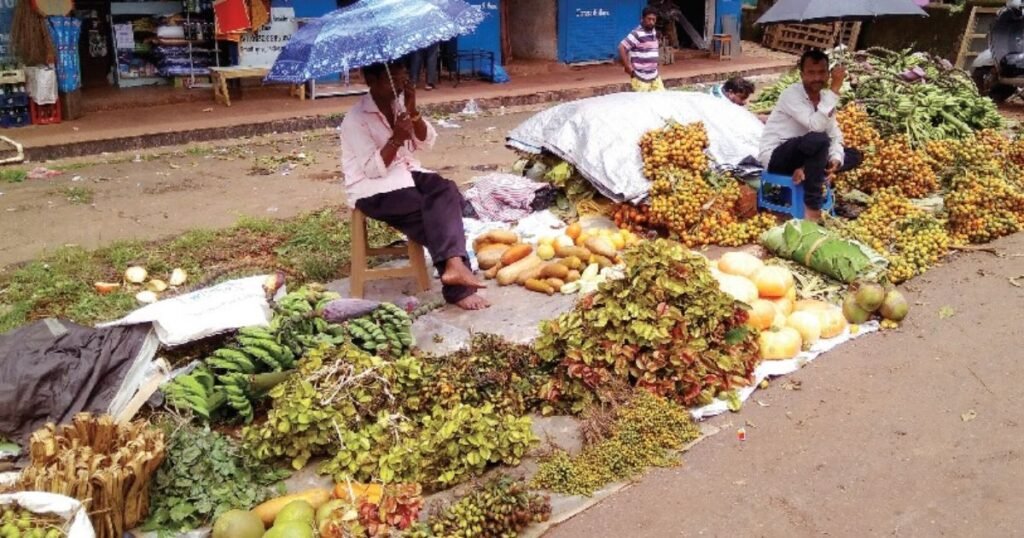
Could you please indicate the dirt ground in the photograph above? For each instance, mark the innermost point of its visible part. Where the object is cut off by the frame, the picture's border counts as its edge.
(914, 432)
(160, 193)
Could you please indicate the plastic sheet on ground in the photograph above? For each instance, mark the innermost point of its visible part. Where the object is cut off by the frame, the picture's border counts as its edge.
(51, 503)
(600, 135)
(778, 368)
(206, 312)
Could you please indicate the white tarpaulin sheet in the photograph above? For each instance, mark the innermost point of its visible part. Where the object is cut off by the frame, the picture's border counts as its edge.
(600, 136)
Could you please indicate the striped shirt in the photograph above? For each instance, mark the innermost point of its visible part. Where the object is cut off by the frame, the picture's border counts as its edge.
(643, 53)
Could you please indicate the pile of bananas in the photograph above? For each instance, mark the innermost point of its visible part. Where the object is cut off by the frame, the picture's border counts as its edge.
(895, 164)
(385, 331)
(500, 508)
(909, 237)
(193, 390)
(693, 203)
(765, 100)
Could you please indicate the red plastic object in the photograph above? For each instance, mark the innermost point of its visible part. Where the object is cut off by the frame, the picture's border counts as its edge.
(44, 114)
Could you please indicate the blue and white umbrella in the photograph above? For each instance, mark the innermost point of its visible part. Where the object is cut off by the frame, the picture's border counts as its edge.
(369, 32)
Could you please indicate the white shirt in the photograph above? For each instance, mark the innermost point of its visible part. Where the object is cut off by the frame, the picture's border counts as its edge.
(364, 132)
(794, 116)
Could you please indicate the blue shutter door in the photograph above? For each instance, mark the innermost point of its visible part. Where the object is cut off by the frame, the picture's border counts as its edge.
(590, 30)
(487, 36)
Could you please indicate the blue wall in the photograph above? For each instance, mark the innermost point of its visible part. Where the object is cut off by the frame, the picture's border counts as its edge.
(488, 35)
(6, 14)
(591, 30)
(728, 7)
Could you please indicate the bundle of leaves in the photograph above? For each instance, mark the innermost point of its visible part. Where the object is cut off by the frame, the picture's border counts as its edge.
(376, 420)
(203, 476)
(490, 370)
(503, 506)
(647, 431)
(665, 327)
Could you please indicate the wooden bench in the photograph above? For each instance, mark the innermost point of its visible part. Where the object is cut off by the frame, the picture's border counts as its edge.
(220, 76)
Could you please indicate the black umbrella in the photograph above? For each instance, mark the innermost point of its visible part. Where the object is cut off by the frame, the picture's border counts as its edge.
(818, 11)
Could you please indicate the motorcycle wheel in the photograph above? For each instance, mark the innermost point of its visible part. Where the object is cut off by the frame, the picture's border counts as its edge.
(985, 79)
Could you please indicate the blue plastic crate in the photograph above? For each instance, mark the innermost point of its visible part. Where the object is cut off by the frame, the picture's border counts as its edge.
(20, 119)
(11, 100)
(792, 193)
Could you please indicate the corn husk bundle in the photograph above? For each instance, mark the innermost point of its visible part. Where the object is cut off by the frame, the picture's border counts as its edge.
(106, 466)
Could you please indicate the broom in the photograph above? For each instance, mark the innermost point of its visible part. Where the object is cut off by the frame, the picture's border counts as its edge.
(30, 36)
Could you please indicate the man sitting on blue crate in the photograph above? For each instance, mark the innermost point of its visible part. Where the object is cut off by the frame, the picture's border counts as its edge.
(802, 137)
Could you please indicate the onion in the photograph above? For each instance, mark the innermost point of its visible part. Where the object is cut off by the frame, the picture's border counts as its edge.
(135, 274)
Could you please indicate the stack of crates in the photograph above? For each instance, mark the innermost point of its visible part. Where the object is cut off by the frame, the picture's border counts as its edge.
(14, 101)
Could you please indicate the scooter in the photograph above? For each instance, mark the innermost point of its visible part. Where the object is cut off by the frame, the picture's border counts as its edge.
(999, 70)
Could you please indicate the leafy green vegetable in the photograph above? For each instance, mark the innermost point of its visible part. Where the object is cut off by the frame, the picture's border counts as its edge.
(202, 477)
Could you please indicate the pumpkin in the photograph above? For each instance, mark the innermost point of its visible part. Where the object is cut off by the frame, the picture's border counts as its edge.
(762, 314)
(773, 281)
(779, 321)
(781, 344)
(782, 304)
(737, 287)
(807, 324)
(739, 264)
(830, 317)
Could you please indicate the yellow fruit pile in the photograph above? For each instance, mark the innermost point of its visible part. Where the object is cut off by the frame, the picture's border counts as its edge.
(984, 206)
(895, 164)
(909, 237)
(685, 199)
(856, 127)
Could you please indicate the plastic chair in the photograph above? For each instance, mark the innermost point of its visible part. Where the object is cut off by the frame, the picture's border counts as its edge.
(361, 251)
(794, 193)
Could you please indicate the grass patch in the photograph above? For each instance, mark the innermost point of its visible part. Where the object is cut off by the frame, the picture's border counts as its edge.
(198, 151)
(76, 195)
(310, 248)
(71, 167)
(12, 175)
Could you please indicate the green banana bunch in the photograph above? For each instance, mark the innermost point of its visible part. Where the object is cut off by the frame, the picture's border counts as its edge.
(191, 391)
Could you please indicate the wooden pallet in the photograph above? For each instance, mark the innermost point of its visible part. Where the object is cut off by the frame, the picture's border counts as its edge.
(975, 39)
(799, 38)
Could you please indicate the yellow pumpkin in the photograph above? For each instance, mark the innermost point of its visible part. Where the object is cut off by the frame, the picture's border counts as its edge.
(830, 317)
(807, 324)
(737, 287)
(781, 344)
(762, 314)
(782, 304)
(773, 281)
(740, 264)
(779, 321)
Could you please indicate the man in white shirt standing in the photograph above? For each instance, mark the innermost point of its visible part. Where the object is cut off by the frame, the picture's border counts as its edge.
(802, 137)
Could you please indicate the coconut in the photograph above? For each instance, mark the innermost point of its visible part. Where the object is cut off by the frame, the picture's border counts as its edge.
(894, 307)
(853, 312)
(869, 296)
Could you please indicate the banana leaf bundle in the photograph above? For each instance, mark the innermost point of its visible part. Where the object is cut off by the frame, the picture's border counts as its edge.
(823, 251)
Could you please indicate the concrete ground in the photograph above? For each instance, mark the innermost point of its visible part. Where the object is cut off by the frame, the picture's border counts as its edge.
(915, 432)
(271, 110)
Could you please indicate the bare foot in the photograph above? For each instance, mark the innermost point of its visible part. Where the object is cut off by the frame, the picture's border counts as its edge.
(473, 302)
(457, 274)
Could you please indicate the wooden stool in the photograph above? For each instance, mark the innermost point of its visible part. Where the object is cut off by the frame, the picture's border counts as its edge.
(361, 251)
(724, 44)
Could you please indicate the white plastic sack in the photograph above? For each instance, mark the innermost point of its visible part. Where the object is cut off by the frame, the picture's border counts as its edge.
(41, 83)
(66, 507)
(600, 136)
(206, 312)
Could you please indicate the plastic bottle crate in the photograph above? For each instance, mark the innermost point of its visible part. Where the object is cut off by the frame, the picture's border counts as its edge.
(14, 100)
(13, 117)
(45, 114)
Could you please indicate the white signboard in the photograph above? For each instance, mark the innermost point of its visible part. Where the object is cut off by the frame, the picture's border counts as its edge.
(261, 48)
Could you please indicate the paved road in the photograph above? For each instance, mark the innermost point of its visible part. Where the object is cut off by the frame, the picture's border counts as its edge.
(916, 432)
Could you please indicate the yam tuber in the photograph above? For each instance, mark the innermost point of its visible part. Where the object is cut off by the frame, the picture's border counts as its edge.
(508, 274)
(529, 275)
(539, 286)
(601, 246)
(490, 255)
(516, 253)
(554, 270)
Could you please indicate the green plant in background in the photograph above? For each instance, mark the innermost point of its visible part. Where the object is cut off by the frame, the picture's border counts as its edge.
(203, 476)
(12, 175)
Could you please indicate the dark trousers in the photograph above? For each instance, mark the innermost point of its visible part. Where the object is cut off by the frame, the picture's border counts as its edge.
(810, 152)
(430, 213)
(425, 58)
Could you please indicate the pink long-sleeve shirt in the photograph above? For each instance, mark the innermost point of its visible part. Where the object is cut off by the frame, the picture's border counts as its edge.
(364, 132)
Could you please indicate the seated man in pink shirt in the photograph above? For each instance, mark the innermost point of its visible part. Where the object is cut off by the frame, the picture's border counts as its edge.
(383, 179)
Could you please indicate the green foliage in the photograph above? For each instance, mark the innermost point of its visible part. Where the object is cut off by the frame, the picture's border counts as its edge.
(12, 175)
(665, 327)
(503, 506)
(202, 477)
(646, 432)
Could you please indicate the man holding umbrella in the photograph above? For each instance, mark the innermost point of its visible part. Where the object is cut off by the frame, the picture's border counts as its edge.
(384, 180)
(802, 136)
